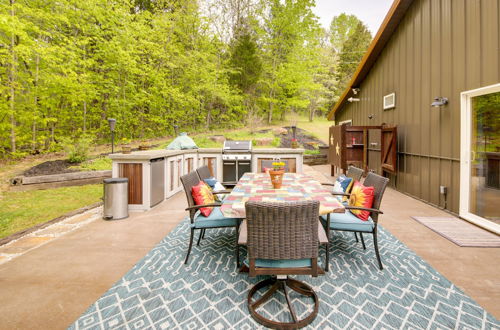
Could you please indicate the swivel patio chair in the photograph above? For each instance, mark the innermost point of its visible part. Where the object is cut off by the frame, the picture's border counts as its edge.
(349, 222)
(282, 240)
(215, 220)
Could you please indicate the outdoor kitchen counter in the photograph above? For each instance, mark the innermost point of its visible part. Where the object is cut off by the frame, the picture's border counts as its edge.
(160, 153)
(150, 154)
(147, 179)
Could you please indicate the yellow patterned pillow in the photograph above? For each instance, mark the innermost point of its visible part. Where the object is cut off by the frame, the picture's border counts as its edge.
(361, 196)
(203, 195)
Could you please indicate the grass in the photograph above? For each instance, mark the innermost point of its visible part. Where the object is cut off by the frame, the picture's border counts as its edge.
(312, 152)
(24, 209)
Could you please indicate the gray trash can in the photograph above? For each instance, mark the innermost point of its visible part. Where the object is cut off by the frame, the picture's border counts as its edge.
(115, 198)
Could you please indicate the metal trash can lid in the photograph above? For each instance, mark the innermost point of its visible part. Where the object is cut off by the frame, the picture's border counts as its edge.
(115, 180)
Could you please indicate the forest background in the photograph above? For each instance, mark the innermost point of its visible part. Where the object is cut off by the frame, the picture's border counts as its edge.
(68, 65)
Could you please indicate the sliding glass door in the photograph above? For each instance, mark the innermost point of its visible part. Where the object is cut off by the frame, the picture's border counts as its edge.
(480, 158)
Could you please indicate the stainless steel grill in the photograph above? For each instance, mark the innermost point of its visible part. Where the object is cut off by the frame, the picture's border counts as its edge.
(236, 160)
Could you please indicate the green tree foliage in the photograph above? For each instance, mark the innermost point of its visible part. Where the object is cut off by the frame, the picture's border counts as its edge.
(68, 65)
(245, 61)
(352, 52)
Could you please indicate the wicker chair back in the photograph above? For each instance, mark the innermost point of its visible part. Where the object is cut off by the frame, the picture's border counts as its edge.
(283, 230)
(204, 172)
(188, 182)
(379, 183)
(354, 173)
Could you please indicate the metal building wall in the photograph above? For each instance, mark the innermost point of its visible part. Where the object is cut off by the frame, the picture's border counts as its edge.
(441, 48)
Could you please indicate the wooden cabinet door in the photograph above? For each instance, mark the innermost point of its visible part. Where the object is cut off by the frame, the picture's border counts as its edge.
(133, 172)
(174, 172)
(389, 149)
(336, 151)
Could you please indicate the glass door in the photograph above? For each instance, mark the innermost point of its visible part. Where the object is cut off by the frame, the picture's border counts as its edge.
(480, 160)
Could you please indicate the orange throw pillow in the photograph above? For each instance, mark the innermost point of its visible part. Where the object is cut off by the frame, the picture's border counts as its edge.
(361, 196)
(202, 195)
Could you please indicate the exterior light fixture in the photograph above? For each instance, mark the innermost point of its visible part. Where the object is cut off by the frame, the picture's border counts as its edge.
(355, 91)
(353, 99)
(370, 116)
(112, 124)
(439, 102)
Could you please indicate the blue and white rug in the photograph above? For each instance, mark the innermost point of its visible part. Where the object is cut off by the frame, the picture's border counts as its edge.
(160, 292)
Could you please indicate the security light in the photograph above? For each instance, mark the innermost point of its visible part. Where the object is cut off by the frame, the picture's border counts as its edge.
(353, 99)
(439, 101)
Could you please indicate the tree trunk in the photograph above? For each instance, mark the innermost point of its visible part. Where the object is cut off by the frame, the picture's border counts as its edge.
(35, 107)
(12, 89)
(85, 96)
(312, 106)
(84, 116)
(271, 106)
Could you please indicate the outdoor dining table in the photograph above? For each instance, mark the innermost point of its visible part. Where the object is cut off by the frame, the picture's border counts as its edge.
(295, 187)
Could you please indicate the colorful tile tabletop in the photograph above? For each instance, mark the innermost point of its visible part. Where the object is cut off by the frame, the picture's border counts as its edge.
(296, 187)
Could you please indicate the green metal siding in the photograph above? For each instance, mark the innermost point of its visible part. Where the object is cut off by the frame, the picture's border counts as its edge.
(441, 48)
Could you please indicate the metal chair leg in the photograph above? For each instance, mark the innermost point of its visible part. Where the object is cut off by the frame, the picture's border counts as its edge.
(190, 245)
(356, 237)
(203, 236)
(375, 244)
(202, 233)
(237, 248)
(327, 262)
(362, 241)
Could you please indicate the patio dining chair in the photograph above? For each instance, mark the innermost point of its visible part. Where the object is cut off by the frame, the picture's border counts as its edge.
(356, 174)
(349, 222)
(199, 222)
(282, 240)
(352, 172)
(204, 173)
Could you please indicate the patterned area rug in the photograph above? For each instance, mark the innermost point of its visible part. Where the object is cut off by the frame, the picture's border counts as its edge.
(160, 292)
(460, 232)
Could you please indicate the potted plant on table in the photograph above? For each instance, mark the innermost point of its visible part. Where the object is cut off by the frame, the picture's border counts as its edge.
(277, 174)
(126, 148)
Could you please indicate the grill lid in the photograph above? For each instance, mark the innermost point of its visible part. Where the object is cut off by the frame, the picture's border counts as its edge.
(237, 146)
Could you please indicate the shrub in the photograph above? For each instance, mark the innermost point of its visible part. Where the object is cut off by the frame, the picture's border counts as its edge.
(77, 149)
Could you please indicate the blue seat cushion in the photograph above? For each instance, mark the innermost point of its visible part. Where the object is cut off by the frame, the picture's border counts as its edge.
(215, 219)
(348, 221)
(287, 263)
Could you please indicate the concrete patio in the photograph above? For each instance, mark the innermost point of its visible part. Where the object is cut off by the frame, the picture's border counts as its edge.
(51, 285)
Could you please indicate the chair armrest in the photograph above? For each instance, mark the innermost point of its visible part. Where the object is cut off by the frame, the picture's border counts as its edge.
(340, 194)
(195, 207)
(226, 191)
(327, 184)
(363, 209)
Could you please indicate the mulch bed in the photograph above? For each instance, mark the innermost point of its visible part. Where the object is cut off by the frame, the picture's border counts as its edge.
(51, 167)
